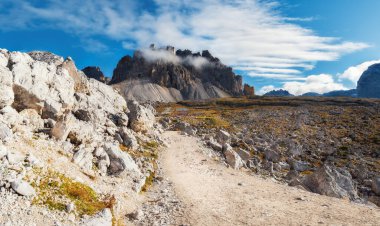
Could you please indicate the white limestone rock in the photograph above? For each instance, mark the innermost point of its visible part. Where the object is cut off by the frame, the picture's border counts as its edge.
(23, 188)
(6, 90)
(141, 118)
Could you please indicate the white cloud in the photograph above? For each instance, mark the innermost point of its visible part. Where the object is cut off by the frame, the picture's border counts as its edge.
(240, 33)
(322, 83)
(353, 73)
(266, 89)
(276, 76)
(166, 56)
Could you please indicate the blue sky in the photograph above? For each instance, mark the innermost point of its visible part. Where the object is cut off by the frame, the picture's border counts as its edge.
(299, 45)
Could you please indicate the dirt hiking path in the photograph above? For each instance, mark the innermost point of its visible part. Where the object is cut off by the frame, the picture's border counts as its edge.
(217, 195)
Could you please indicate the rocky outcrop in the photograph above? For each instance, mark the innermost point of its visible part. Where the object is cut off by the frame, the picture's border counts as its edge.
(248, 90)
(369, 83)
(175, 75)
(332, 181)
(95, 73)
(278, 93)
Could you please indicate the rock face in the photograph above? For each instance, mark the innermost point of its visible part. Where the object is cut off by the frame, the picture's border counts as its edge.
(248, 90)
(332, 181)
(175, 75)
(369, 83)
(95, 73)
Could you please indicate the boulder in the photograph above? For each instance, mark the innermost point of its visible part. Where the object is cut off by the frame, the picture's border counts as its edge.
(3, 151)
(141, 118)
(33, 119)
(300, 166)
(223, 137)
(129, 140)
(215, 145)
(331, 181)
(6, 133)
(244, 155)
(23, 188)
(103, 160)
(10, 116)
(62, 127)
(186, 128)
(6, 90)
(15, 157)
(83, 158)
(119, 161)
(104, 218)
(233, 159)
(272, 156)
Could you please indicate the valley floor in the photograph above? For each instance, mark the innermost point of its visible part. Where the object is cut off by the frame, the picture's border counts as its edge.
(216, 195)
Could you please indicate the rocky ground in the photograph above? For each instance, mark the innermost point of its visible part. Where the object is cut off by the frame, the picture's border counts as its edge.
(327, 146)
(216, 195)
(73, 151)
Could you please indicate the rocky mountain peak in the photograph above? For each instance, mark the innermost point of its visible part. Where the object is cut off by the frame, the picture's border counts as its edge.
(369, 83)
(95, 73)
(189, 75)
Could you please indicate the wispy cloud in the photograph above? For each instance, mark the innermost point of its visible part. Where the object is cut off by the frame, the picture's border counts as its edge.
(322, 83)
(353, 73)
(241, 33)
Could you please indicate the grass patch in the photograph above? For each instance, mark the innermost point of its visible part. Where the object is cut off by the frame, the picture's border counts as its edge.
(55, 191)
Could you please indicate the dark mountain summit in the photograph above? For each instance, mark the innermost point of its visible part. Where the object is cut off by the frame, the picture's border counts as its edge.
(163, 74)
(369, 82)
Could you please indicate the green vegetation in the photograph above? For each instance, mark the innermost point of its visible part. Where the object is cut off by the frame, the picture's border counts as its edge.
(55, 190)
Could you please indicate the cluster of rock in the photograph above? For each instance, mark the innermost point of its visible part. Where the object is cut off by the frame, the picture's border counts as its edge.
(44, 97)
(283, 159)
(174, 76)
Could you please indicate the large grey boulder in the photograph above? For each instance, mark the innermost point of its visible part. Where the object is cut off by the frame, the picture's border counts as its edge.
(369, 82)
(331, 181)
(141, 117)
(129, 139)
(119, 161)
(62, 127)
(83, 158)
(223, 136)
(233, 159)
